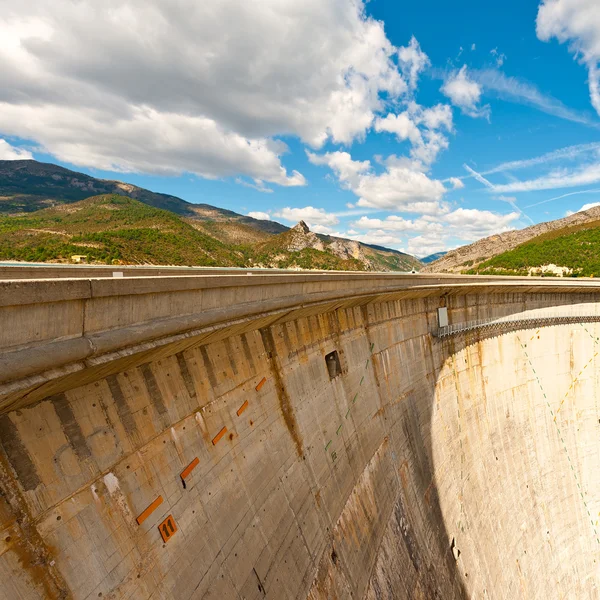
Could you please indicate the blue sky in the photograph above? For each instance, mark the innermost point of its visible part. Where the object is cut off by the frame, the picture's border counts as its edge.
(420, 126)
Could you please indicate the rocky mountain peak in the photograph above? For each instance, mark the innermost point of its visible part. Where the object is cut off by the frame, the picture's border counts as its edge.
(301, 227)
(301, 237)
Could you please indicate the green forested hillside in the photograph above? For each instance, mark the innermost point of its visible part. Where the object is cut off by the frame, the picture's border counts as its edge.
(576, 247)
(49, 213)
(112, 229)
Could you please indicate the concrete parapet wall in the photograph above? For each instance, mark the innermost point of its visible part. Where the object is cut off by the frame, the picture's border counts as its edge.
(55, 328)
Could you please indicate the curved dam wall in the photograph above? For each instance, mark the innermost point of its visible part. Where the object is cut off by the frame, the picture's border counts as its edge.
(247, 440)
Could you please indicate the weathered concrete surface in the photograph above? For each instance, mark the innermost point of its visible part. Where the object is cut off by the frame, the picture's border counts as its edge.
(463, 468)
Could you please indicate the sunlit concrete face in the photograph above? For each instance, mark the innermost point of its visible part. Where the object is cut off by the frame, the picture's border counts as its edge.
(515, 438)
(416, 468)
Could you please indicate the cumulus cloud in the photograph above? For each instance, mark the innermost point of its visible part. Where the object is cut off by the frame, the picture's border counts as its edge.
(397, 223)
(400, 187)
(422, 127)
(465, 93)
(424, 245)
(435, 233)
(412, 61)
(578, 23)
(261, 216)
(8, 152)
(348, 171)
(456, 183)
(311, 215)
(198, 87)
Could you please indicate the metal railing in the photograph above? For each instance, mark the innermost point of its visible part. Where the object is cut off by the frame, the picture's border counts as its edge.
(538, 318)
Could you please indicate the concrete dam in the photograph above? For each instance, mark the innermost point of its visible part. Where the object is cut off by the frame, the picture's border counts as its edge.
(198, 434)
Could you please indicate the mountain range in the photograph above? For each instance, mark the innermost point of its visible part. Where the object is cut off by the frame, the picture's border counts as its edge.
(49, 213)
(474, 258)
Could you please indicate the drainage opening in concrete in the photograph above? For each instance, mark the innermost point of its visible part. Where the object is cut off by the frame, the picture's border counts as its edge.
(332, 360)
(455, 550)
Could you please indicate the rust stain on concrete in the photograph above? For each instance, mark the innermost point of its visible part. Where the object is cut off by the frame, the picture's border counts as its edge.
(285, 402)
(36, 557)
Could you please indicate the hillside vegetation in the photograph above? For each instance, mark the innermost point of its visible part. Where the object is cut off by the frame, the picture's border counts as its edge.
(474, 255)
(113, 229)
(49, 213)
(576, 247)
(29, 185)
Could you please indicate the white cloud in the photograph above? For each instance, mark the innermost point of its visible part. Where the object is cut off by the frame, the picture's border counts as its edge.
(261, 216)
(424, 245)
(500, 57)
(203, 87)
(326, 229)
(467, 223)
(588, 206)
(457, 183)
(400, 187)
(8, 152)
(313, 216)
(436, 117)
(376, 237)
(412, 62)
(576, 22)
(421, 127)
(465, 93)
(472, 223)
(401, 125)
(348, 171)
(435, 233)
(396, 223)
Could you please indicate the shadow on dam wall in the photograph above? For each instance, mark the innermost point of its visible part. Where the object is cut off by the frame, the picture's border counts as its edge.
(414, 468)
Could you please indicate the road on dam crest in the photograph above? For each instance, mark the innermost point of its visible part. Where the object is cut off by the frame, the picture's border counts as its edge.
(219, 434)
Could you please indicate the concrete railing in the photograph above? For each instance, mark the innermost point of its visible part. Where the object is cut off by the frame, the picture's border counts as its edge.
(56, 328)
